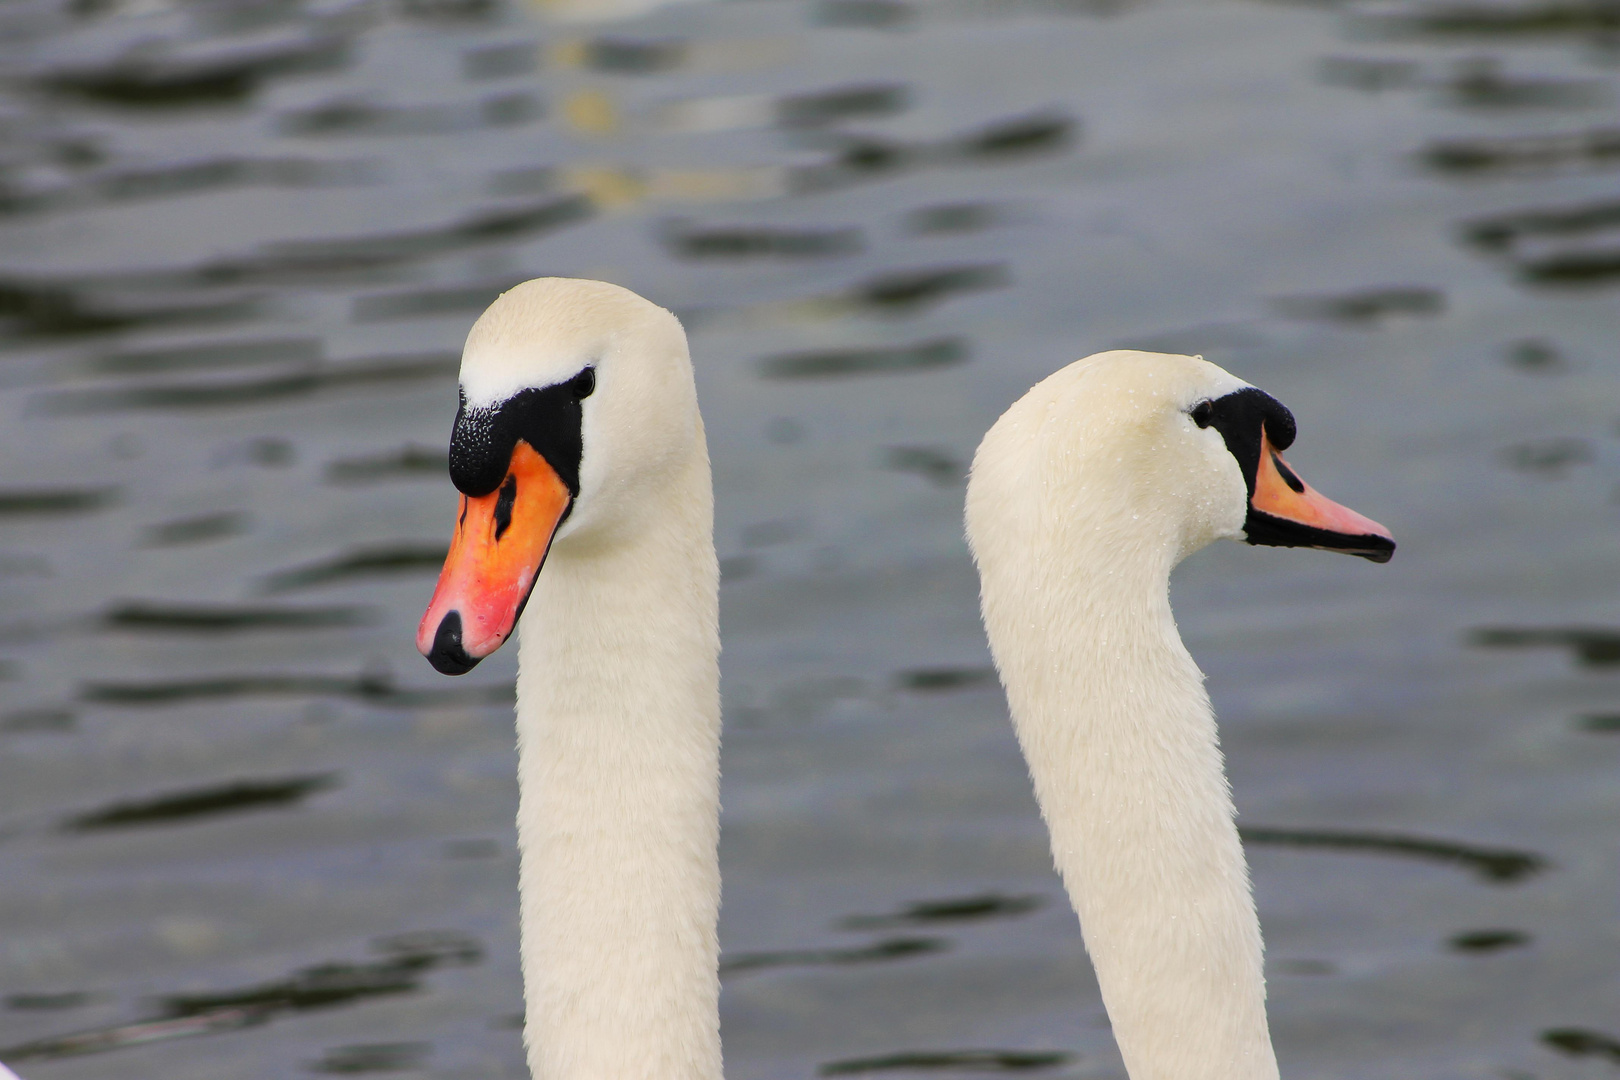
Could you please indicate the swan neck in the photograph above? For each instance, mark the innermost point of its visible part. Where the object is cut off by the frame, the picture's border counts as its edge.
(1121, 743)
(618, 823)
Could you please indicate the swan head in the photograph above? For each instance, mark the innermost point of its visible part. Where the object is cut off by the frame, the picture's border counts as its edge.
(1136, 446)
(577, 401)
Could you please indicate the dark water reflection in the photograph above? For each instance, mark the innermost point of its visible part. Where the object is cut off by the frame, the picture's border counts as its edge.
(405, 959)
(971, 1061)
(245, 832)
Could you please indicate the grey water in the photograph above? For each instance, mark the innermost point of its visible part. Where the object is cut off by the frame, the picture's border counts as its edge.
(246, 832)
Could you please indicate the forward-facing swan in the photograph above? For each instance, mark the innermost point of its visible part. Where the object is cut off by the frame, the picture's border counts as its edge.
(1083, 497)
(579, 448)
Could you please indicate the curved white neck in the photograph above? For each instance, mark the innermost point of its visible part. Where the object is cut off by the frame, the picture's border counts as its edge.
(618, 819)
(1120, 738)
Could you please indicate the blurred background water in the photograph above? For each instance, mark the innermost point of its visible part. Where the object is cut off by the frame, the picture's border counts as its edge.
(245, 832)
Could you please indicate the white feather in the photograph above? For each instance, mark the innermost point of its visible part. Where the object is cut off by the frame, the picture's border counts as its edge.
(618, 715)
(1082, 498)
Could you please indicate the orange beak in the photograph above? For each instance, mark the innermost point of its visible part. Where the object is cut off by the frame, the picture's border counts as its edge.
(1285, 511)
(500, 544)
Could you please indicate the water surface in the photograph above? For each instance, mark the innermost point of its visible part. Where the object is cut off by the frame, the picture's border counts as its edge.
(246, 832)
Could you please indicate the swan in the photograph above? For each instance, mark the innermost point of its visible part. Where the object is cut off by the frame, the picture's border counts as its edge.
(578, 447)
(1082, 498)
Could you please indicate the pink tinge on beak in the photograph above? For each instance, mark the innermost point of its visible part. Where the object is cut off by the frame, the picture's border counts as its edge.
(1301, 516)
(500, 544)
(1323, 513)
(472, 613)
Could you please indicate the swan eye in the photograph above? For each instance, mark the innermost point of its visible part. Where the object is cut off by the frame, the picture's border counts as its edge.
(583, 384)
(1203, 413)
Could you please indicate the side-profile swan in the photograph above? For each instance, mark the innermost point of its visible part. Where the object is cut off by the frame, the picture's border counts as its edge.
(578, 448)
(1082, 498)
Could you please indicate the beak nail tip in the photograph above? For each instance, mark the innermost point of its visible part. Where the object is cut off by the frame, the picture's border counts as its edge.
(448, 656)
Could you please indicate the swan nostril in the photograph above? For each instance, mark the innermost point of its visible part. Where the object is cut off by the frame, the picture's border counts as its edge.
(448, 656)
(1289, 476)
(504, 503)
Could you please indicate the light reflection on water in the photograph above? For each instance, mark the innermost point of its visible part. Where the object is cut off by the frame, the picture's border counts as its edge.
(246, 832)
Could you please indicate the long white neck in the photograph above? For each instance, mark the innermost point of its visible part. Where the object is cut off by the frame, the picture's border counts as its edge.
(1120, 738)
(618, 819)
